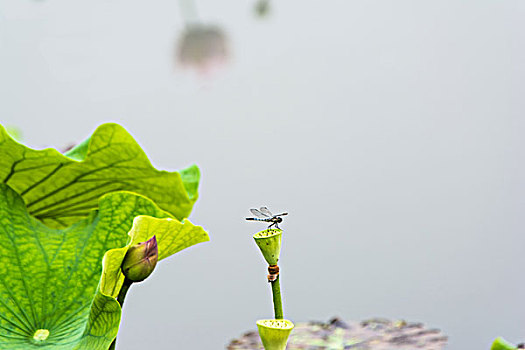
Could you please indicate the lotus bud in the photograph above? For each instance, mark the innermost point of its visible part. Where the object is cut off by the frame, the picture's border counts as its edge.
(203, 47)
(274, 333)
(140, 260)
(269, 241)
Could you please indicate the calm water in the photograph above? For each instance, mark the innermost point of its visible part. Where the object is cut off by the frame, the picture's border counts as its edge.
(391, 131)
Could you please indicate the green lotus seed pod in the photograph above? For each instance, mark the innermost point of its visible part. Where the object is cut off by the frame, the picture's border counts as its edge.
(140, 260)
(269, 241)
(274, 333)
(502, 344)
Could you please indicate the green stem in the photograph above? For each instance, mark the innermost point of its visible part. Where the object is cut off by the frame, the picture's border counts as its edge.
(121, 296)
(189, 11)
(277, 302)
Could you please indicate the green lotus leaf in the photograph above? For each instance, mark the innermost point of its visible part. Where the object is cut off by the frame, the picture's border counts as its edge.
(59, 189)
(15, 132)
(502, 344)
(58, 286)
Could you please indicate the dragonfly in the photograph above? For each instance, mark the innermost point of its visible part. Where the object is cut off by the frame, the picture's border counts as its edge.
(263, 214)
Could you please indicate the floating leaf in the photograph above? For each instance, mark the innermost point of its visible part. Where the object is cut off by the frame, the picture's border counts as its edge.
(366, 335)
(56, 291)
(60, 189)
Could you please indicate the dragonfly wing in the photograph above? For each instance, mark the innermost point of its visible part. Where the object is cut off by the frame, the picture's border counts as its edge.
(265, 211)
(258, 214)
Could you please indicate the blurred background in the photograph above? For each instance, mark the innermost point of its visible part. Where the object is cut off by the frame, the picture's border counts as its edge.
(391, 131)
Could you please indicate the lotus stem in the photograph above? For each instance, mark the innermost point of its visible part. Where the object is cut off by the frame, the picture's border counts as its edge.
(277, 302)
(189, 12)
(123, 291)
(121, 296)
(269, 242)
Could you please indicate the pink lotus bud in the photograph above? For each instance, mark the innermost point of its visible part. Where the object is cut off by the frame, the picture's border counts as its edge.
(140, 260)
(203, 48)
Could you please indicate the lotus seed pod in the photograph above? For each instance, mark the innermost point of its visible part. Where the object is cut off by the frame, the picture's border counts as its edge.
(274, 333)
(269, 241)
(502, 344)
(140, 260)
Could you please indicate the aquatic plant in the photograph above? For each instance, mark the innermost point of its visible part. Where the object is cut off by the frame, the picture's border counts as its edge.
(274, 333)
(67, 224)
(502, 344)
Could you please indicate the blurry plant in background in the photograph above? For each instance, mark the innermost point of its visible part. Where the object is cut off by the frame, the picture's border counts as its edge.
(202, 47)
(262, 8)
